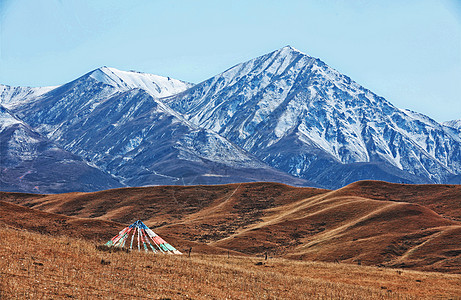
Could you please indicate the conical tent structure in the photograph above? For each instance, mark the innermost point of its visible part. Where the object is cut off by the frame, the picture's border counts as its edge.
(145, 236)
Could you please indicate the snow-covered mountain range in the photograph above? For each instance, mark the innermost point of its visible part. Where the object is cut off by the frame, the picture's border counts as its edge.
(284, 116)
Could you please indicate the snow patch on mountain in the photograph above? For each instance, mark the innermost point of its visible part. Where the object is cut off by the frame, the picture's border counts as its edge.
(456, 124)
(7, 119)
(206, 145)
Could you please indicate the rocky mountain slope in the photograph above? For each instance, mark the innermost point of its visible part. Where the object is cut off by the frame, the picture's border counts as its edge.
(31, 162)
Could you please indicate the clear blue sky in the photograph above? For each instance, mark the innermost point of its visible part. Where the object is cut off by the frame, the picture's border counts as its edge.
(407, 51)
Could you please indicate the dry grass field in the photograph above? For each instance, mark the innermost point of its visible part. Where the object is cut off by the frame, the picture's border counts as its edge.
(38, 266)
(377, 223)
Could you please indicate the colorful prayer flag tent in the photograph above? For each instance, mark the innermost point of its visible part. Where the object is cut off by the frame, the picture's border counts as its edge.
(143, 235)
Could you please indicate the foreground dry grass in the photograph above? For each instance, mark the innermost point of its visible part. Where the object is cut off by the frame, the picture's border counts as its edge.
(34, 266)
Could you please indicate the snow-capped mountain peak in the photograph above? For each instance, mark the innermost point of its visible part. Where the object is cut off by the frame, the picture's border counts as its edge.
(157, 86)
(289, 48)
(305, 109)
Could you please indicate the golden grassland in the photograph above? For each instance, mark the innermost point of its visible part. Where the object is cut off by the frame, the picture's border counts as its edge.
(35, 266)
(381, 224)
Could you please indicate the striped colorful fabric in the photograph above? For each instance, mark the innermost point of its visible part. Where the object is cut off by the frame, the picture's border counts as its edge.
(145, 236)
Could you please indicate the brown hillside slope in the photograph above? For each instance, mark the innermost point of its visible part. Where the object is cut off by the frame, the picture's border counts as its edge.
(20, 217)
(160, 204)
(98, 231)
(441, 198)
(350, 229)
(365, 221)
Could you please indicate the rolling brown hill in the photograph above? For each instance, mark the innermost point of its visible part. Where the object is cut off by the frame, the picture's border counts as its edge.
(95, 230)
(20, 217)
(371, 222)
(443, 199)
